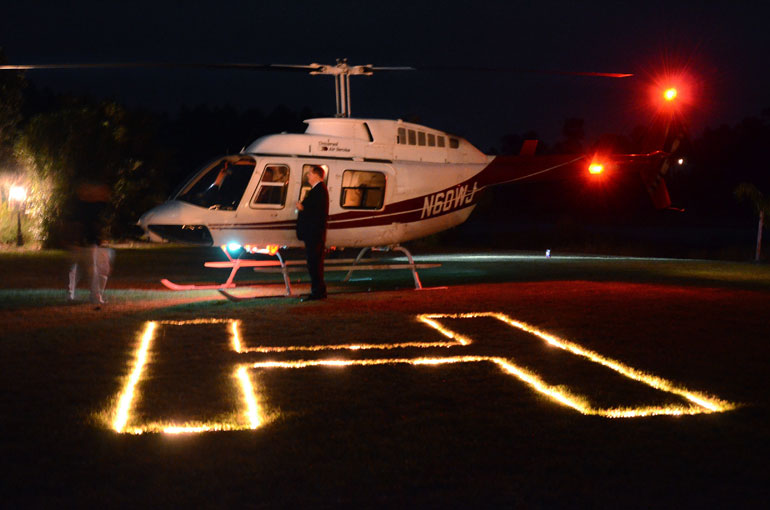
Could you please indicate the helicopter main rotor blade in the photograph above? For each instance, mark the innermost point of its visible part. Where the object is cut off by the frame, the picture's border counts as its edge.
(189, 65)
(298, 68)
(160, 65)
(519, 70)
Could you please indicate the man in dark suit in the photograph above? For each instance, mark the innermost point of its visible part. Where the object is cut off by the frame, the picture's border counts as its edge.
(311, 228)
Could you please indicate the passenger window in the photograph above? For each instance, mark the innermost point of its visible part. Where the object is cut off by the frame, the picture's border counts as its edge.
(272, 187)
(420, 138)
(441, 142)
(362, 190)
(454, 143)
(431, 140)
(412, 137)
(305, 184)
(401, 136)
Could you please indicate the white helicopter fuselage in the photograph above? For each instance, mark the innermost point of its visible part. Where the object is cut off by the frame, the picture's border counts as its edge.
(388, 181)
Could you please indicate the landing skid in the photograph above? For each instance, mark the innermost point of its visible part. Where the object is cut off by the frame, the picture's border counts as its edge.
(235, 264)
(240, 299)
(176, 286)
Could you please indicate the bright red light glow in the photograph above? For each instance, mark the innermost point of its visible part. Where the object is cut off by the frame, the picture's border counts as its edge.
(672, 93)
(595, 168)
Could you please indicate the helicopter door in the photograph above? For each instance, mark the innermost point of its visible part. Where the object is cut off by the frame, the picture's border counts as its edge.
(273, 186)
(305, 187)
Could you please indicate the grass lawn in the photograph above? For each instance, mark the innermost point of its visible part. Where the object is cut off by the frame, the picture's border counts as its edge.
(386, 434)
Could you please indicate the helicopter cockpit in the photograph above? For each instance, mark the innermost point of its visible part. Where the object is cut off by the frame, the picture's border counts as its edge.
(220, 185)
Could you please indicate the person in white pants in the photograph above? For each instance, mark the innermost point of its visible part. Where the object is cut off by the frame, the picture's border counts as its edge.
(97, 260)
(84, 232)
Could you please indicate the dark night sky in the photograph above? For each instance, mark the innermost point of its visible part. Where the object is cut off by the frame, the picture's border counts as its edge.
(723, 45)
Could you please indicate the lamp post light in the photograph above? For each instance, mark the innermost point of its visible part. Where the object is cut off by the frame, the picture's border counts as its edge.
(17, 195)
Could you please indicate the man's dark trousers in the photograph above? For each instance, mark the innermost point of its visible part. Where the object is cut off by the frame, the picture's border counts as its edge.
(315, 266)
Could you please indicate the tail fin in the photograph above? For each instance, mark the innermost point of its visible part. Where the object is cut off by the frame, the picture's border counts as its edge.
(653, 175)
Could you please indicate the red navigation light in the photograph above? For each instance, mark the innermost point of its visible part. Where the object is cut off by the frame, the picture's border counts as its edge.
(672, 93)
(595, 168)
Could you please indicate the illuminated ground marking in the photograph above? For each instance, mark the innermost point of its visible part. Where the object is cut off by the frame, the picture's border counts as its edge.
(127, 395)
(252, 417)
(457, 340)
(703, 403)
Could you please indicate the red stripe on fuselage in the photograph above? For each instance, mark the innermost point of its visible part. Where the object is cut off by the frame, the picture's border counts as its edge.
(502, 169)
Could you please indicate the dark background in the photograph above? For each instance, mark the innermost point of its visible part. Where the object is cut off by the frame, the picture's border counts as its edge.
(721, 44)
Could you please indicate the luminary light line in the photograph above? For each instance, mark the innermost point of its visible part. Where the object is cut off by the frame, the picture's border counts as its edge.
(252, 413)
(708, 404)
(236, 336)
(565, 398)
(457, 340)
(125, 401)
(428, 319)
(127, 396)
(252, 409)
(192, 428)
(347, 347)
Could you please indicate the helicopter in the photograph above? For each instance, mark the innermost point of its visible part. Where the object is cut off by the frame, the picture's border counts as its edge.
(389, 182)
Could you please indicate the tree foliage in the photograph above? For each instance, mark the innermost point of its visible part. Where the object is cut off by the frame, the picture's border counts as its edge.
(11, 101)
(98, 142)
(747, 192)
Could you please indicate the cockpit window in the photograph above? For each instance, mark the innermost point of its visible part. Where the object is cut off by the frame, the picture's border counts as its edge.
(220, 186)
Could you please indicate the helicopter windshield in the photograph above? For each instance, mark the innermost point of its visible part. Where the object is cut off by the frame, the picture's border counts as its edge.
(219, 186)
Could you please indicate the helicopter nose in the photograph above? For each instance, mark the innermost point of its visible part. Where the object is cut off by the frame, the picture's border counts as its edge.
(175, 221)
(167, 213)
(151, 217)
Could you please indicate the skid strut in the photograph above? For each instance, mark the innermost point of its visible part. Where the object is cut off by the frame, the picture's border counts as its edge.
(417, 283)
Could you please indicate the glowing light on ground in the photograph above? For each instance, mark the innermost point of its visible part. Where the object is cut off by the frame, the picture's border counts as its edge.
(457, 340)
(704, 402)
(252, 417)
(125, 401)
(127, 396)
(252, 409)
